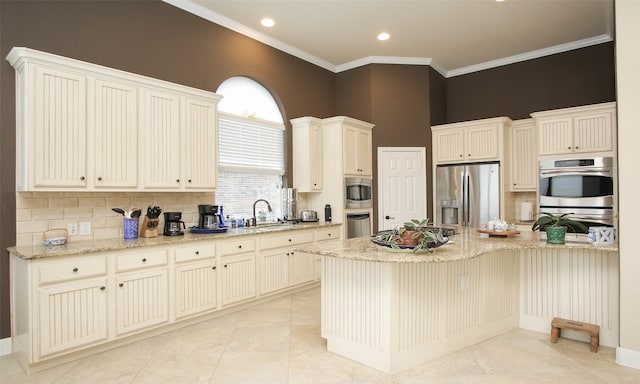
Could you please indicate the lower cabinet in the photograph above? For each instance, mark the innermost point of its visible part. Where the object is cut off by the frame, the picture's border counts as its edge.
(141, 300)
(301, 268)
(195, 290)
(72, 315)
(238, 278)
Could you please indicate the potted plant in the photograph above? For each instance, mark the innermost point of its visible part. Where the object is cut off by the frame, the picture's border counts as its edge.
(556, 226)
(412, 233)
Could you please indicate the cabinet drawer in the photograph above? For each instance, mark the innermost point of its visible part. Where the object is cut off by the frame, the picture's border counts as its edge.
(237, 246)
(279, 241)
(79, 268)
(328, 234)
(195, 252)
(129, 261)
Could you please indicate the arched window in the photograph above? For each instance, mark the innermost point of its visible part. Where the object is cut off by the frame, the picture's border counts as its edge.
(251, 149)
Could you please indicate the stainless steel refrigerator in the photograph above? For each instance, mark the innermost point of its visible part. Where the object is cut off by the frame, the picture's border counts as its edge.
(467, 194)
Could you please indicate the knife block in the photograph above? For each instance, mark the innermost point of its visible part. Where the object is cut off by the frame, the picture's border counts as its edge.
(149, 227)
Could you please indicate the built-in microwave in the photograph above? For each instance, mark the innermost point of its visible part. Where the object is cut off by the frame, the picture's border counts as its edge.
(358, 192)
(583, 187)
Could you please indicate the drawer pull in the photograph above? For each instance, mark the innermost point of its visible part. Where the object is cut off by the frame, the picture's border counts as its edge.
(75, 269)
(226, 265)
(289, 240)
(239, 246)
(197, 252)
(121, 285)
(144, 260)
(102, 288)
(213, 267)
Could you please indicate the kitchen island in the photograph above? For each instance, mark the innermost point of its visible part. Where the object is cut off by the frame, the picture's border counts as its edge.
(393, 310)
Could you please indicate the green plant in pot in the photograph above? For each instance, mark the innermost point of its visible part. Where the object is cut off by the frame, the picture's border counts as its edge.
(556, 226)
(412, 233)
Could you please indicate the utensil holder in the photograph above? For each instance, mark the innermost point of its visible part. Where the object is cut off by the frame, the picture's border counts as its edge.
(130, 228)
(149, 227)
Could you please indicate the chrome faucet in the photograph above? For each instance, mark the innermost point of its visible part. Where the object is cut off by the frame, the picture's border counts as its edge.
(253, 222)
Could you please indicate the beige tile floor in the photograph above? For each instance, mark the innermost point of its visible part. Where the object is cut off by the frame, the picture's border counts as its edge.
(279, 342)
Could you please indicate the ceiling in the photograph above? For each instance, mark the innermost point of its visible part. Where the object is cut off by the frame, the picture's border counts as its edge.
(453, 36)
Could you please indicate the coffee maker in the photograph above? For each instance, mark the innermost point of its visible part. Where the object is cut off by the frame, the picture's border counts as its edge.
(210, 216)
(172, 223)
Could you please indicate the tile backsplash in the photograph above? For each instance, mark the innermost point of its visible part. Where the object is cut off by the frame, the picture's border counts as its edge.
(37, 212)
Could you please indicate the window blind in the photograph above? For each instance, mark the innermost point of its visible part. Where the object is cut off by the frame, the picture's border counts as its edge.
(250, 145)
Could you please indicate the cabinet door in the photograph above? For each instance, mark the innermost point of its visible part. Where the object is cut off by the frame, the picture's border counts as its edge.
(116, 135)
(524, 167)
(315, 169)
(593, 132)
(160, 140)
(238, 278)
(141, 300)
(201, 144)
(302, 268)
(60, 108)
(72, 315)
(363, 150)
(350, 154)
(274, 270)
(307, 154)
(482, 143)
(195, 287)
(555, 136)
(449, 145)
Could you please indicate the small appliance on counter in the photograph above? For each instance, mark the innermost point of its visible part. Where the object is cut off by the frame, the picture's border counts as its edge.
(172, 223)
(210, 216)
(308, 215)
(290, 204)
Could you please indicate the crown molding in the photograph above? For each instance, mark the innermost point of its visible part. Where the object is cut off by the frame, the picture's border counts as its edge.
(207, 14)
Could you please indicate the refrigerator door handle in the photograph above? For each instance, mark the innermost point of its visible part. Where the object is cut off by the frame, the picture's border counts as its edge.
(465, 198)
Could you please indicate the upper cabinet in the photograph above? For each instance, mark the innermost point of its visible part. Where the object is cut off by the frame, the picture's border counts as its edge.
(523, 156)
(307, 154)
(85, 127)
(357, 151)
(568, 131)
(469, 141)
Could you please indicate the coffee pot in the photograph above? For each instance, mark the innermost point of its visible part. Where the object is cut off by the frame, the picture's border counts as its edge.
(210, 216)
(172, 223)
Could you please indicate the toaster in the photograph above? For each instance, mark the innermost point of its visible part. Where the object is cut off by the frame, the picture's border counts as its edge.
(308, 215)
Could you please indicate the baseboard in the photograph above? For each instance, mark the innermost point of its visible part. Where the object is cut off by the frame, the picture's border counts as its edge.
(5, 346)
(628, 357)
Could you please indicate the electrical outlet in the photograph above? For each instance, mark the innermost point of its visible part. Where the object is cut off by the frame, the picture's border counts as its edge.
(85, 228)
(464, 282)
(73, 229)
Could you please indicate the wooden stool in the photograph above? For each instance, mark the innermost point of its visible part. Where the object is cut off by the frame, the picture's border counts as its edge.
(592, 329)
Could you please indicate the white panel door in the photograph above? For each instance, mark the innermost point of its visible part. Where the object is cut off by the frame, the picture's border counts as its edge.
(201, 144)
(402, 186)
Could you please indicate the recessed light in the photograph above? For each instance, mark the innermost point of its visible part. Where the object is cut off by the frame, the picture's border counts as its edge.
(383, 36)
(267, 22)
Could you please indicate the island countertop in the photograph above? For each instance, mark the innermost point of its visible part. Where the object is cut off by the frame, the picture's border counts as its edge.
(466, 244)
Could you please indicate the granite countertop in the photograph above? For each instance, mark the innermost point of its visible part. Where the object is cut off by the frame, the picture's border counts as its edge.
(106, 245)
(466, 244)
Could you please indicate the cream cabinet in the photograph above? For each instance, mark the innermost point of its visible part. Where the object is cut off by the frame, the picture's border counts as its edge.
(471, 141)
(524, 156)
(577, 130)
(237, 270)
(280, 265)
(85, 127)
(307, 154)
(115, 135)
(196, 280)
(357, 151)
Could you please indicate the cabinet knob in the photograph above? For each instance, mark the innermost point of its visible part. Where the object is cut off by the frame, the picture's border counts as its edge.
(568, 147)
(239, 246)
(197, 252)
(289, 240)
(82, 178)
(226, 265)
(329, 234)
(461, 155)
(102, 288)
(121, 285)
(99, 178)
(75, 269)
(469, 155)
(189, 180)
(144, 260)
(177, 180)
(577, 147)
(214, 267)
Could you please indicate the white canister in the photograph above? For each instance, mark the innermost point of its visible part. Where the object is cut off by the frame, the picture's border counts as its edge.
(526, 211)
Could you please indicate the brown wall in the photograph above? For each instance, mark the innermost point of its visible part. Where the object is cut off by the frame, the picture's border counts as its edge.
(156, 39)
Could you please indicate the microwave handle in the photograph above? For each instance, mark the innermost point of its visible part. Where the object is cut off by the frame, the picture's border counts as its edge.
(574, 172)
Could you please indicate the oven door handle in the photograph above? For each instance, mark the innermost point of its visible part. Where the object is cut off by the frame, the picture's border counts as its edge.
(576, 172)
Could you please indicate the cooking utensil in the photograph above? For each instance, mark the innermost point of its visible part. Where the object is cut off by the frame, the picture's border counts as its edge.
(119, 210)
(135, 213)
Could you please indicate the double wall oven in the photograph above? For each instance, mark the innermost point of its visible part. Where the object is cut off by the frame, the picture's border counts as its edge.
(584, 187)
